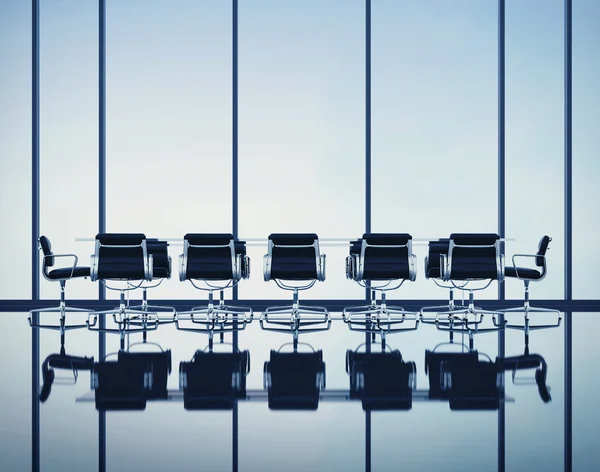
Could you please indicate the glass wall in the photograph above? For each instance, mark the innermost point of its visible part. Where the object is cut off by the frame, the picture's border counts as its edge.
(534, 139)
(15, 148)
(586, 168)
(301, 131)
(168, 122)
(434, 123)
(69, 135)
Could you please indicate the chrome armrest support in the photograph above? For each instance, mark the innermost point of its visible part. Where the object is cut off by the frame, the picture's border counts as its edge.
(412, 271)
(75, 260)
(267, 267)
(182, 264)
(530, 256)
(149, 268)
(93, 268)
(321, 268)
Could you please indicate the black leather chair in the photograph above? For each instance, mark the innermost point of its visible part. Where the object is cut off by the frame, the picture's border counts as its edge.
(217, 261)
(433, 271)
(61, 275)
(124, 257)
(161, 270)
(159, 364)
(294, 380)
(293, 261)
(381, 263)
(382, 380)
(214, 380)
(472, 258)
(122, 384)
(534, 273)
(62, 361)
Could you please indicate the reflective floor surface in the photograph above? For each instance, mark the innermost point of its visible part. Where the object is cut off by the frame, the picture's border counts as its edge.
(339, 435)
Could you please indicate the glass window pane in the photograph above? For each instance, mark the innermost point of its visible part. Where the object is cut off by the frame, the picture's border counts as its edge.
(586, 166)
(69, 135)
(15, 148)
(301, 130)
(434, 128)
(586, 385)
(168, 81)
(534, 139)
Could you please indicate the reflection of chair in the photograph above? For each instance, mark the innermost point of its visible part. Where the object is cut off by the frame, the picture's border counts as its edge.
(529, 361)
(382, 380)
(472, 384)
(219, 262)
(471, 257)
(124, 257)
(530, 274)
(294, 380)
(381, 263)
(159, 364)
(294, 258)
(62, 361)
(433, 367)
(121, 384)
(60, 275)
(214, 380)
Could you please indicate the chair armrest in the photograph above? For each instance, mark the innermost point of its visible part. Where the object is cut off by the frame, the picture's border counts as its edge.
(527, 256)
(501, 268)
(75, 259)
(444, 269)
(170, 266)
(412, 271)
(149, 268)
(247, 264)
(93, 268)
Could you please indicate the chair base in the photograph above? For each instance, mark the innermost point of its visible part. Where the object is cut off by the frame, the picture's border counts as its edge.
(215, 319)
(295, 318)
(129, 321)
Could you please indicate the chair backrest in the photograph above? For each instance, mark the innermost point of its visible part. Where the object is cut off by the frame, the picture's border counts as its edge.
(121, 256)
(158, 362)
(209, 256)
(46, 247)
(161, 265)
(542, 248)
(474, 256)
(432, 261)
(293, 256)
(385, 256)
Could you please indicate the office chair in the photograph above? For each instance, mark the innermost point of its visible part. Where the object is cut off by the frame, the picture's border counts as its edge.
(381, 263)
(294, 380)
(530, 274)
(214, 380)
(157, 362)
(381, 380)
(60, 275)
(161, 270)
(434, 360)
(293, 261)
(433, 271)
(124, 257)
(471, 257)
(219, 262)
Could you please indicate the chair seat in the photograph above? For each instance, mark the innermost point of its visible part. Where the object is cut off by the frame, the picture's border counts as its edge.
(523, 273)
(65, 273)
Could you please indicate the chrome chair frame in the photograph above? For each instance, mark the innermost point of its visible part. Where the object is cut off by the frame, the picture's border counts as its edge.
(295, 318)
(62, 308)
(378, 318)
(215, 318)
(468, 320)
(128, 320)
